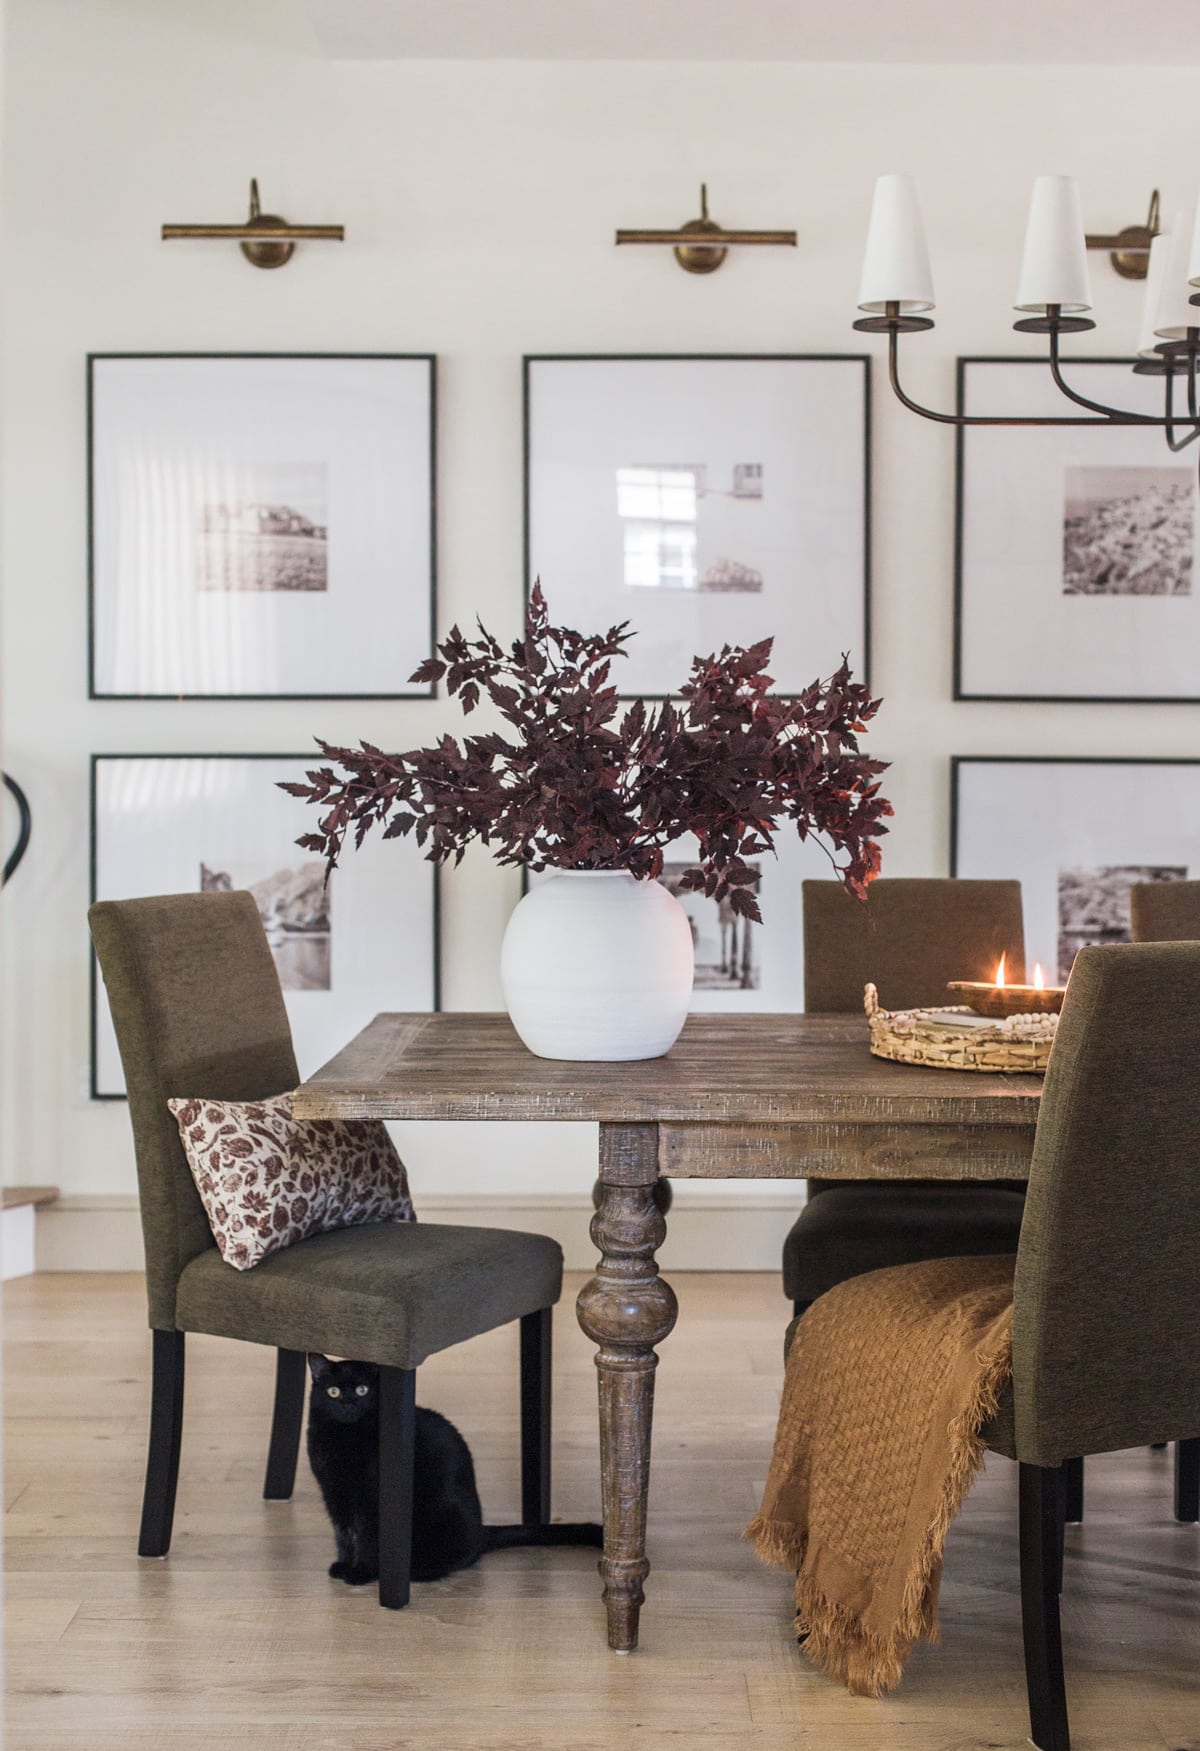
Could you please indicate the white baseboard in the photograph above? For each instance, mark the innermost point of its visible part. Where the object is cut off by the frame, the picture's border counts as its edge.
(103, 1233)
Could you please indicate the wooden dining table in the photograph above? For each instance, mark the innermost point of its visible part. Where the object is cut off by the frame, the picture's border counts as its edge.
(737, 1097)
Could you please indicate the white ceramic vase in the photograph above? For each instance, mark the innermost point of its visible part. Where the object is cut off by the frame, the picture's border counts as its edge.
(597, 965)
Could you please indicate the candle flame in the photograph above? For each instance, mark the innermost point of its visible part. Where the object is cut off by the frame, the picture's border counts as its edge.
(1039, 978)
(1000, 973)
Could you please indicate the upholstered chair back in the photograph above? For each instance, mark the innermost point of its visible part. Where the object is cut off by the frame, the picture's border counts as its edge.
(197, 1009)
(1106, 1327)
(911, 936)
(1165, 911)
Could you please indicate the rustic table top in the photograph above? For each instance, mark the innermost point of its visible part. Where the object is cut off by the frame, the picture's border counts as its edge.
(723, 1070)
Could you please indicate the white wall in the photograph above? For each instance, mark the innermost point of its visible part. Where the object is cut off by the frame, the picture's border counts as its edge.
(480, 201)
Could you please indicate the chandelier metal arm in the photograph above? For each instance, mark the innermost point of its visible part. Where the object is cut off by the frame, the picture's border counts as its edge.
(979, 419)
(1174, 443)
(1115, 415)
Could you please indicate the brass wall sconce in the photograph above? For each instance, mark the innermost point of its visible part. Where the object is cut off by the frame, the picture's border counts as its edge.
(701, 245)
(266, 240)
(1129, 250)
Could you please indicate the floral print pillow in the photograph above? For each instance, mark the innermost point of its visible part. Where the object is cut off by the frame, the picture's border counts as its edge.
(267, 1179)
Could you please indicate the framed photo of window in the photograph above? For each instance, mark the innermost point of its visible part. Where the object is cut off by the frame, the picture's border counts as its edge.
(177, 824)
(1076, 575)
(1077, 834)
(709, 500)
(261, 526)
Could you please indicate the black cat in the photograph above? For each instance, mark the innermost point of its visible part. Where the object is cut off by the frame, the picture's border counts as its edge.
(448, 1530)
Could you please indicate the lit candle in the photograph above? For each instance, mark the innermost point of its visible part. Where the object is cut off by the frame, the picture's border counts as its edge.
(1000, 981)
(895, 266)
(1039, 978)
(1054, 261)
(1175, 314)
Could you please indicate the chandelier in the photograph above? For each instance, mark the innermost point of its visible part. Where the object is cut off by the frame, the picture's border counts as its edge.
(1053, 298)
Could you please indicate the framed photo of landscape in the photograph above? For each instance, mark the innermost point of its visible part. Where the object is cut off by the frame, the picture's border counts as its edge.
(261, 526)
(1077, 834)
(1076, 575)
(708, 500)
(741, 965)
(176, 824)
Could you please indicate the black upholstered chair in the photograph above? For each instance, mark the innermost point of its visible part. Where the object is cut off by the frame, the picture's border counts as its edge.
(911, 937)
(197, 1008)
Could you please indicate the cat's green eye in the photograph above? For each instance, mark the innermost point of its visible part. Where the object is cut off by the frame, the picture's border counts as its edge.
(334, 1391)
(361, 1391)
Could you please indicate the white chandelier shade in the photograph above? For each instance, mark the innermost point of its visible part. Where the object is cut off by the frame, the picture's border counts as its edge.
(1175, 314)
(1194, 258)
(1054, 268)
(896, 261)
(1156, 279)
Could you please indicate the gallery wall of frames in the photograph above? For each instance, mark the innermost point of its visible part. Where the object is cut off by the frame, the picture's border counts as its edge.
(240, 526)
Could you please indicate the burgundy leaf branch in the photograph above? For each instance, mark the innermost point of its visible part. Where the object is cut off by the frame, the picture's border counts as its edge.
(577, 783)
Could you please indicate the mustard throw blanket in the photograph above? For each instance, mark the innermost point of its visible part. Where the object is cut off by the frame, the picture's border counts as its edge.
(889, 1380)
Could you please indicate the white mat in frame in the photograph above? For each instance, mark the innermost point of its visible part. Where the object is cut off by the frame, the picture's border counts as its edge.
(1075, 575)
(173, 823)
(708, 499)
(250, 515)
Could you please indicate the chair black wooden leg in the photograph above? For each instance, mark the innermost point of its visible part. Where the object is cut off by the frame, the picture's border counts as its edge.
(397, 1426)
(1039, 1492)
(1187, 1480)
(536, 1374)
(291, 1380)
(162, 1457)
(1073, 1475)
(1060, 1524)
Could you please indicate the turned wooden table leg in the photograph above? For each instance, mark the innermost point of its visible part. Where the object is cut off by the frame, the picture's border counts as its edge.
(626, 1309)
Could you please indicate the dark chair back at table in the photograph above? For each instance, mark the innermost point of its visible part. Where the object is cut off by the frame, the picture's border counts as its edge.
(1165, 911)
(912, 936)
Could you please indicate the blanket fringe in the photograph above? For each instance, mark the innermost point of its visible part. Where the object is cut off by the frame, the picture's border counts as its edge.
(836, 1640)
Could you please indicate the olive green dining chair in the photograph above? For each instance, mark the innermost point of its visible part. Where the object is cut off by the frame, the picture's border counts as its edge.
(198, 1011)
(1170, 912)
(909, 939)
(913, 935)
(1106, 1327)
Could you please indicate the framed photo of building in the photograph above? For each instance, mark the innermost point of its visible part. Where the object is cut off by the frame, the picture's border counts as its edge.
(1076, 574)
(1077, 834)
(261, 526)
(708, 500)
(741, 965)
(176, 824)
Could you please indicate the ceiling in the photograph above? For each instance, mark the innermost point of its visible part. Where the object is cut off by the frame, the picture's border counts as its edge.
(963, 32)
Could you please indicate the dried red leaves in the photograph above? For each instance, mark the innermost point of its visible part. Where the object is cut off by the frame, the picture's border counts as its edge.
(580, 785)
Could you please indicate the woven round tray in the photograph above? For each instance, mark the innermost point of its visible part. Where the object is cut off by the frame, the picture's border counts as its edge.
(1019, 1043)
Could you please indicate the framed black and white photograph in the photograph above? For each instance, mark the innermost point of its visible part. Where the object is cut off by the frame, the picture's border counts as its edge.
(1077, 834)
(261, 526)
(1076, 547)
(207, 823)
(740, 965)
(707, 500)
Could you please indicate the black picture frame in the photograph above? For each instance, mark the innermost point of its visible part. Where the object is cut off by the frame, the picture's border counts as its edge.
(1022, 849)
(531, 360)
(302, 760)
(963, 435)
(404, 693)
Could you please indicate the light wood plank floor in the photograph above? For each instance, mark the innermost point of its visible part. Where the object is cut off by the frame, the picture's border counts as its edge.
(240, 1639)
